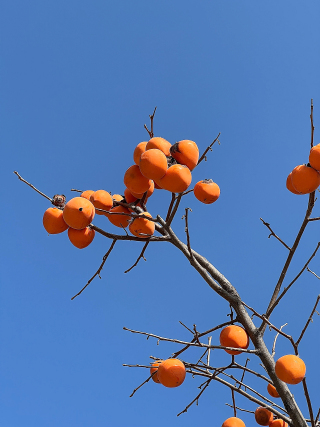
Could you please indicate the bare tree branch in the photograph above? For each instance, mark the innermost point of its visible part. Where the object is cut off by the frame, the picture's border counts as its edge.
(196, 398)
(308, 321)
(97, 273)
(32, 186)
(203, 157)
(274, 234)
(150, 132)
(139, 257)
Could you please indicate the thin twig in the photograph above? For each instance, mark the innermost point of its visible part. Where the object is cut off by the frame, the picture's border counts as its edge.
(296, 278)
(174, 210)
(311, 121)
(187, 231)
(193, 344)
(308, 321)
(186, 327)
(314, 219)
(275, 340)
(312, 272)
(173, 198)
(306, 393)
(244, 371)
(239, 409)
(32, 186)
(207, 149)
(139, 257)
(195, 399)
(144, 382)
(78, 191)
(150, 132)
(97, 273)
(209, 351)
(233, 403)
(274, 234)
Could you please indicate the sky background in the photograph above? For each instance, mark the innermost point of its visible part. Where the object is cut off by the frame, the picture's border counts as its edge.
(78, 82)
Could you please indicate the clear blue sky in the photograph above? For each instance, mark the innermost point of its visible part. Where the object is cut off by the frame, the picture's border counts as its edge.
(78, 81)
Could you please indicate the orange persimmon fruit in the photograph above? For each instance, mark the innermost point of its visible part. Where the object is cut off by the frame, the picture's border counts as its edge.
(86, 194)
(154, 368)
(233, 422)
(81, 238)
(140, 148)
(305, 179)
(314, 157)
(206, 191)
(78, 213)
(185, 152)
(278, 423)
(101, 199)
(263, 416)
(149, 192)
(159, 143)
(119, 220)
(234, 336)
(289, 185)
(53, 221)
(272, 391)
(135, 181)
(177, 179)
(142, 227)
(130, 198)
(171, 373)
(290, 369)
(153, 164)
(117, 198)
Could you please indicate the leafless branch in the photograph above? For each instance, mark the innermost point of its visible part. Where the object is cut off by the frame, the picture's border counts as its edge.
(209, 351)
(150, 132)
(196, 398)
(174, 209)
(239, 409)
(144, 382)
(296, 278)
(244, 371)
(187, 231)
(123, 237)
(78, 191)
(139, 257)
(306, 393)
(193, 344)
(275, 340)
(173, 198)
(186, 327)
(314, 219)
(311, 121)
(203, 157)
(233, 403)
(97, 273)
(312, 272)
(274, 234)
(308, 321)
(32, 186)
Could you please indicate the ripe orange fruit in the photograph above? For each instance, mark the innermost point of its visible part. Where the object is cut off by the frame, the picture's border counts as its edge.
(135, 181)
(81, 238)
(206, 191)
(171, 373)
(153, 164)
(154, 368)
(119, 220)
(53, 221)
(233, 422)
(140, 148)
(185, 152)
(117, 198)
(149, 192)
(263, 416)
(314, 157)
(159, 143)
(130, 198)
(289, 185)
(305, 179)
(290, 369)
(234, 336)
(78, 213)
(101, 199)
(86, 194)
(272, 391)
(142, 227)
(177, 179)
(278, 423)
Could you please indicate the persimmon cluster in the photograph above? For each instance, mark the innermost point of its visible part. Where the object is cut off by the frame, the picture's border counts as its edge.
(305, 179)
(289, 369)
(158, 164)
